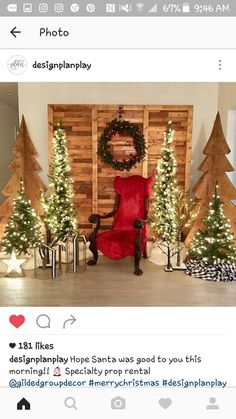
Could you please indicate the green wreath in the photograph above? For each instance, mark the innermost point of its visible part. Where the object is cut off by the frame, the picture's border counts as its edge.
(124, 129)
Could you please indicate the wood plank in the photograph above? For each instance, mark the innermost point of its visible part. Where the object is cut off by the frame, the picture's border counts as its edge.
(188, 150)
(94, 191)
(146, 136)
(95, 161)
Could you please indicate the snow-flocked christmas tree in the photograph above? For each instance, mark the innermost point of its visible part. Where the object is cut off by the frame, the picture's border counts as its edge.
(163, 214)
(59, 213)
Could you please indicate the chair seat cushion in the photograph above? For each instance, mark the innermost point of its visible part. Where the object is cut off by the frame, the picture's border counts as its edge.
(117, 244)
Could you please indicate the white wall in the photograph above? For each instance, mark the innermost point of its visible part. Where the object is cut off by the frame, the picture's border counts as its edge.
(231, 139)
(227, 107)
(227, 101)
(34, 98)
(8, 126)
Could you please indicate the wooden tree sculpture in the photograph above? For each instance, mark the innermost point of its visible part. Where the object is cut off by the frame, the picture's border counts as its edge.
(24, 166)
(214, 167)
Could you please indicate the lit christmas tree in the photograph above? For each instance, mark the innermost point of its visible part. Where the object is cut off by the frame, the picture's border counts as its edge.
(214, 168)
(23, 166)
(59, 214)
(164, 220)
(215, 244)
(23, 230)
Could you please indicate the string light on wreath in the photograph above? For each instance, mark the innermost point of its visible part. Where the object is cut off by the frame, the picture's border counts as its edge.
(121, 128)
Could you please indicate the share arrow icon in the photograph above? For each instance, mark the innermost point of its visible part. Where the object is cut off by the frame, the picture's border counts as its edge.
(71, 320)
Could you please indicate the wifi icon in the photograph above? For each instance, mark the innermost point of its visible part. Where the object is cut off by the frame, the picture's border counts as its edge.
(140, 6)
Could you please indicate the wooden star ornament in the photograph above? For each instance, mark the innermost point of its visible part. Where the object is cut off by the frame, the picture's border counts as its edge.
(14, 264)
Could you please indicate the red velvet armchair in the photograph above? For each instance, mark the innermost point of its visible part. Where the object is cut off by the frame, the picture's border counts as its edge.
(128, 236)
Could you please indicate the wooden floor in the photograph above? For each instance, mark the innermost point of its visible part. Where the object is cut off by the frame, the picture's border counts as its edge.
(113, 284)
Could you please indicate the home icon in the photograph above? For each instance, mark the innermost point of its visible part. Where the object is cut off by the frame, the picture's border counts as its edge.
(23, 404)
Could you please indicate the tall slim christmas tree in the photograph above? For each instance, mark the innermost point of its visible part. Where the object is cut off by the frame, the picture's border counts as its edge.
(214, 243)
(214, 167)
(163, 214)
(23, 230)
(59, 214)
(24, 166)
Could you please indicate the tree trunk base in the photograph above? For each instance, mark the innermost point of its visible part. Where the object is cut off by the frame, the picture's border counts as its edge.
(179, 268)
(168, 269)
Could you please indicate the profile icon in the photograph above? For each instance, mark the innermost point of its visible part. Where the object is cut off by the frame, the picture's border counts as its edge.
(212, 404)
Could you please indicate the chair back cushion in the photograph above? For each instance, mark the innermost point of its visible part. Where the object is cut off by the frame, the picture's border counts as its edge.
(132, 191)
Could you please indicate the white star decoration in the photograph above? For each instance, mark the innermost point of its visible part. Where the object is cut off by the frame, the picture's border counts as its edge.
(14, 264)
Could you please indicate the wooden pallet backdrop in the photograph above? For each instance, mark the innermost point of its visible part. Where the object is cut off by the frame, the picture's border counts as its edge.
(93, 181)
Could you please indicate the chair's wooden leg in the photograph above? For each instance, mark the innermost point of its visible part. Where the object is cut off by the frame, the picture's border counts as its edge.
(93, 248)
(145, 255)
(137, 254)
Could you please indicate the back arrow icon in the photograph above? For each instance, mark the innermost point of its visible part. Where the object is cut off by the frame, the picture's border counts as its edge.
(14, 31)
(71, 320)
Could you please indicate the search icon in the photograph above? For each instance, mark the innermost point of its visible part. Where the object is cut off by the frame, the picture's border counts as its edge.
(43, 321)
(70, 403)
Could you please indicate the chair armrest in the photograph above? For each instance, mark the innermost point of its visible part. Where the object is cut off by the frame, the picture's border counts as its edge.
(138, 223)
(94, 218)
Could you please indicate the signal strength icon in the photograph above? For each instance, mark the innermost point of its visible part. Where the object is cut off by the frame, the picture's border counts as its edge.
(153, 9)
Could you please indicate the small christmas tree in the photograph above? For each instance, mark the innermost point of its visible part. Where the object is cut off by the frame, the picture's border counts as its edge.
(23, 166)
(215, 243)
(163, 215)
(214, 168)
(59, 214)
(23, 230)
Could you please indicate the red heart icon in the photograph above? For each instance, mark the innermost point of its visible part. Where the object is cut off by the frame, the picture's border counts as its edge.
(17, 321)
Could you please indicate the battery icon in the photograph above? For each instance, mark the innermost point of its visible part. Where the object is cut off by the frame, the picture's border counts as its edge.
(186, 8)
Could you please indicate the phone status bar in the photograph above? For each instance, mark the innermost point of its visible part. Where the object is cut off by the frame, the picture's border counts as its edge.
(99, 8)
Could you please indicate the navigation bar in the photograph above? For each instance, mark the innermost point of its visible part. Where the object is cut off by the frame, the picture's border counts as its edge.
(107, 33)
